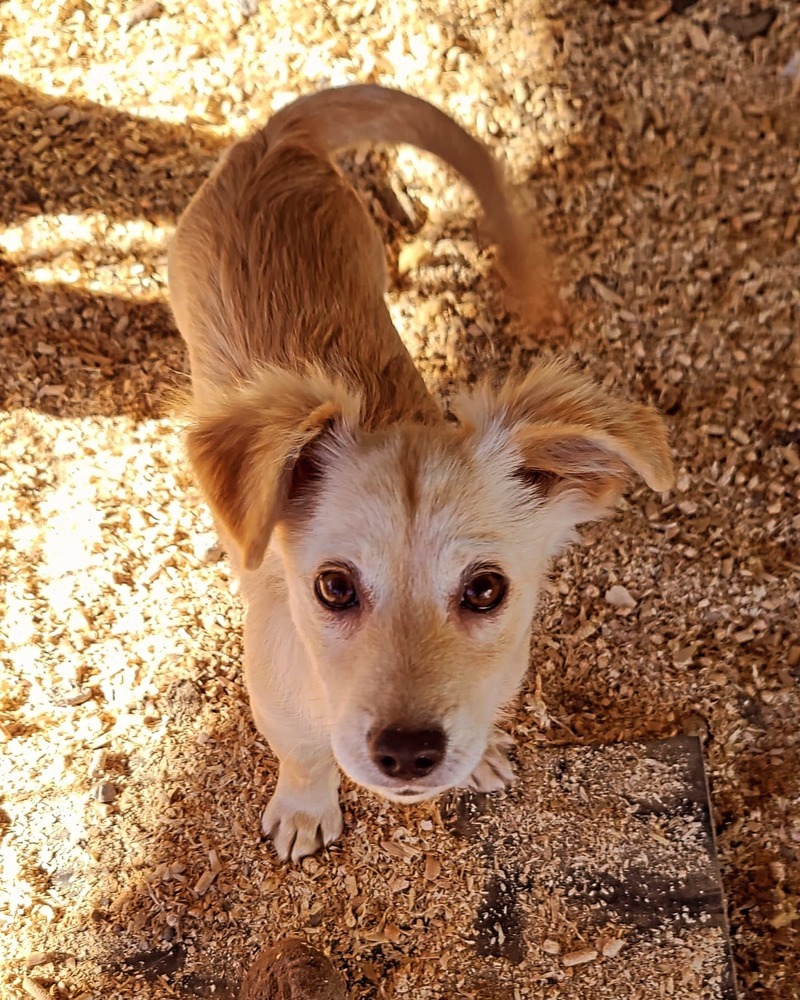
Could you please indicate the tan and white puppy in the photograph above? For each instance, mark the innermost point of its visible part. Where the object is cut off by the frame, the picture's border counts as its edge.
(390, 558)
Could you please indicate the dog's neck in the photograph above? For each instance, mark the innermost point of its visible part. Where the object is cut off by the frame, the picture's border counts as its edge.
(394, 393)
(377, 369)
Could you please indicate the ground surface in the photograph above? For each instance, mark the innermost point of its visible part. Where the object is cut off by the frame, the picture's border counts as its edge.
(661, 151)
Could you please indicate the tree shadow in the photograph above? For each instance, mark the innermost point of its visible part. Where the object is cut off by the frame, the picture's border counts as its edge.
(69, 350)
(74, 156)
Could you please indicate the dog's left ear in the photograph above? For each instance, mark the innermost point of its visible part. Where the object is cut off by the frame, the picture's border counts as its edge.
(251, 450)
(572, 437)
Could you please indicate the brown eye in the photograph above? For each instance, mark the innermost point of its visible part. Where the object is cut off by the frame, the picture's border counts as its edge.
(336, 589)
(484, 592)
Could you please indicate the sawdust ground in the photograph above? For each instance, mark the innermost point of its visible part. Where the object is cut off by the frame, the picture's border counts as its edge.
(660, 152)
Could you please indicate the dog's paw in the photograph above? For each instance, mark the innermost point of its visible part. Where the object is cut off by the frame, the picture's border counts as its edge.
(301, 823)
(495, 771)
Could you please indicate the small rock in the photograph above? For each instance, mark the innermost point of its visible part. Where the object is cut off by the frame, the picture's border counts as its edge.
(550, 947)
(104, 791)
(745, 27)
(292, 970)
(207, 548)
(620, 597)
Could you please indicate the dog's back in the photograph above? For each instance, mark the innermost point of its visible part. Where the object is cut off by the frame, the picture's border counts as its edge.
(276, 261)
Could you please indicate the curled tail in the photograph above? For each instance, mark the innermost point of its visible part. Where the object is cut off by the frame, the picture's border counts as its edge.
(345, 116)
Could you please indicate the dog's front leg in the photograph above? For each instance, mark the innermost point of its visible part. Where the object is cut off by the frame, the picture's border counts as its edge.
(303, 814)
(494, 772)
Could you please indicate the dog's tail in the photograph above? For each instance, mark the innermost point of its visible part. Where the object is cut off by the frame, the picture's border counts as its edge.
(346, 116)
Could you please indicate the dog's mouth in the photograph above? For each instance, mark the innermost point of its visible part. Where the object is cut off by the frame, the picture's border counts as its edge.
(409, 794)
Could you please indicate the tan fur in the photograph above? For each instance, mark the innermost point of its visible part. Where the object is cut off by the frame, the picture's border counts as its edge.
(317, 445)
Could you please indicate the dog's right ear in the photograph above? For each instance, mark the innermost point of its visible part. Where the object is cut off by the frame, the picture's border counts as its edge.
(248, 449)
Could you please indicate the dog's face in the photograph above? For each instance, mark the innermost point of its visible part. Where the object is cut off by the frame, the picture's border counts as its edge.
(412, 581)
(414, 554)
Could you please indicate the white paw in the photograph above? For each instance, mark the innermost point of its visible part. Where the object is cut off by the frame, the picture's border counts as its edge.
(300, 822)
(494, 771)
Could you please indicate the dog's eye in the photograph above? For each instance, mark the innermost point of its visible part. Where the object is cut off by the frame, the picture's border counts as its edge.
(484, 592)
(336, 589)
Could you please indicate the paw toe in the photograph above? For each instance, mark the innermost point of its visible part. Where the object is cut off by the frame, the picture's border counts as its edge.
(495, 771)
(297, 834)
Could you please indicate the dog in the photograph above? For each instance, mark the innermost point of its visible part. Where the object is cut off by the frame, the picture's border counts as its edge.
(390, 555)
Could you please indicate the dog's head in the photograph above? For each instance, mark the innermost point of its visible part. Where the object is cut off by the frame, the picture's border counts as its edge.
(414, 554)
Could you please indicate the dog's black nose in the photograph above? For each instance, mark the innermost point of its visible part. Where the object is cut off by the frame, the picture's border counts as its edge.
(407, 753)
